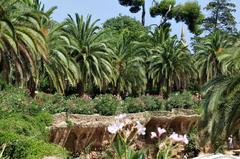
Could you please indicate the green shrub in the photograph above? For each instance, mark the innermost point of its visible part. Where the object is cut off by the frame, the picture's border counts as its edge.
(3, 84)
(52, 103)
(21, 147)
(107, 104)
(34, 126)
(134, 105)
(192, 149)
(152, 103)
(15, 100)
(180, 100)
(81, 106)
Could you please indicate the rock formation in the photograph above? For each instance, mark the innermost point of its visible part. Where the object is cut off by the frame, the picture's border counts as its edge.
(78, 132)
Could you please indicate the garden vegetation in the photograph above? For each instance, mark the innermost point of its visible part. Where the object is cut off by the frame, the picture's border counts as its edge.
(78, 66)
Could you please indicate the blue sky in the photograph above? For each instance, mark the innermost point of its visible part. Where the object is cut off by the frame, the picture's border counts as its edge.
(105, 9)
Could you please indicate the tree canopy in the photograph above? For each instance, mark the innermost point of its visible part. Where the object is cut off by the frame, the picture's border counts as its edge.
(221, 16)
(127, 59)
(188, 12)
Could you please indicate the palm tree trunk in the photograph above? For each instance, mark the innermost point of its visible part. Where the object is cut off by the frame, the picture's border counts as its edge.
(5, 67)
(31, 85)
(80, 88)
(160, 87)
(150, 86)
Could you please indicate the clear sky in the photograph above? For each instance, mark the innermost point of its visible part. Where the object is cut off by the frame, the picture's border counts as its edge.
(105, 9)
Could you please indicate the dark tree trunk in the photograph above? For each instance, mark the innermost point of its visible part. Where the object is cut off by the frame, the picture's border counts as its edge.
(150, 86)
(31, 85)
(168, 92)
(143, 14)
(80, 89)
(5, 68)
(217, 16)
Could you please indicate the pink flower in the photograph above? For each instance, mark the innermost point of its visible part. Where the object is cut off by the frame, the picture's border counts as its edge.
(121, 117)
(185, 139)
(161, 131)
(179, 138)
(114, 128)
(127, 121)
(153, 135)
(161, 146)
(140, 128)
(175, 137)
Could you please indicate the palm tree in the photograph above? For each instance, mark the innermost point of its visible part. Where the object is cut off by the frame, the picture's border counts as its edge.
(221, 103)
(90, 52)
(129, 70)
(170, 65)
(157, 36)
(21, 42)
(207, 55)
(60, 67)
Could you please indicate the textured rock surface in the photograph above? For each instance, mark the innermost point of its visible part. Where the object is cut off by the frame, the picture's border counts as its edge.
(217, 156)
(76, 132)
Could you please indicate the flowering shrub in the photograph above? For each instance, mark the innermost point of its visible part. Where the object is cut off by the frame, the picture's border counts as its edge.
(172, 143)
(125, 131)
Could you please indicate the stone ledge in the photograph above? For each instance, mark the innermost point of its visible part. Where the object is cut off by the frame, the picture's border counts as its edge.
(92, 129)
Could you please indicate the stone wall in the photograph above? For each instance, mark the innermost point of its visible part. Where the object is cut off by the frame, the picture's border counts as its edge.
(76, 132)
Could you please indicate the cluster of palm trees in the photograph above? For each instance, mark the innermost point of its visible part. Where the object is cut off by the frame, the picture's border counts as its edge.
(79, 54)
(221, 102)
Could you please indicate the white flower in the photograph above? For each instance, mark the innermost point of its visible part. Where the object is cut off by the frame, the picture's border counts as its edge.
(114, 128)
(161, 131)
(140, 128)
(127, 121)
(185, 139)
(161, 146)
(179, 138)
(121, 117)
(153, 135)
(175, 137)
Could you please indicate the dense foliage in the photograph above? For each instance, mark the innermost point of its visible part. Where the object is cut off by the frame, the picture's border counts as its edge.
(189, 13)
(221, 16)
(123, 65)
(24, 127)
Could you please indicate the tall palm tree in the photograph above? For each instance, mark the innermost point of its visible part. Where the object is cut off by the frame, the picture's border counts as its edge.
(157, 36)
(21, 42)
(221, 102)
(170, 65)
(129, 70)
(208, 51)
(60, 67)
(90, 52)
